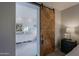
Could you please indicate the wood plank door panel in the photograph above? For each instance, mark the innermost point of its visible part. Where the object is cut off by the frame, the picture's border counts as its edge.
(47, 30)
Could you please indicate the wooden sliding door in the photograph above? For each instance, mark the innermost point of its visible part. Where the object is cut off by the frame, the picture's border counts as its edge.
(47, 30)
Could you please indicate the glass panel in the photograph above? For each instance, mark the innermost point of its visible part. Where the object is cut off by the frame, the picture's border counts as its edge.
(26, 28)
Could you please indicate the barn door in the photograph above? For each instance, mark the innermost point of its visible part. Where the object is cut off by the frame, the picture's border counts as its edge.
(47, 30)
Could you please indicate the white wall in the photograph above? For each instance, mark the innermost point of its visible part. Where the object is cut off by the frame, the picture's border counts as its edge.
(57, 28)
(70, 18)
(7, 28)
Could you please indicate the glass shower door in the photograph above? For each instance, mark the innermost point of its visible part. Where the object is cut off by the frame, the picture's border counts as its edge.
(27, 29)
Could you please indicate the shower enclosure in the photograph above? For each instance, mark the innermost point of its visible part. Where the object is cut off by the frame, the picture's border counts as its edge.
(27, 29)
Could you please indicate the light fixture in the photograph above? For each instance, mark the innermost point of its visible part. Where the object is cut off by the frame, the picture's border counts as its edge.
(69, 32)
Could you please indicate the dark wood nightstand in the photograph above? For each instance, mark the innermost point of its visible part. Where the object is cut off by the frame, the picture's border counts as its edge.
(67, 45)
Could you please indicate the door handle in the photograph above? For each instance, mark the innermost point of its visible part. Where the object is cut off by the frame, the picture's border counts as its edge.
(42, 40)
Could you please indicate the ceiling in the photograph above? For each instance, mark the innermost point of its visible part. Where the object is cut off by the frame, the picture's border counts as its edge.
(60, 5)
